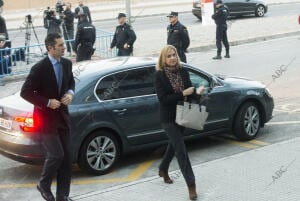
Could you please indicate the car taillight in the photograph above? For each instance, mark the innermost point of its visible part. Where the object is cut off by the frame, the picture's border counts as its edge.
(28, 124)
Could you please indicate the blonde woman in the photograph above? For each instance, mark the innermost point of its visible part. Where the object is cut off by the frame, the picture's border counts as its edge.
(173, 84)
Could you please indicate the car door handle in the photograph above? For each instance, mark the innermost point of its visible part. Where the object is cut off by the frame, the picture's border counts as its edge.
(120, 110)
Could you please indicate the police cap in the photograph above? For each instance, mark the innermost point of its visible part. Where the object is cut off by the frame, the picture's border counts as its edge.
(121, 15)
(172, 14)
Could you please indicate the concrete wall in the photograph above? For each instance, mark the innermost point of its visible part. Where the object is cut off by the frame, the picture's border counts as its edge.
(29, 4)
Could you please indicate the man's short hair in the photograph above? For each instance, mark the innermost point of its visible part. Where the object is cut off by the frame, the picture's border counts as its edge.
(50, 39)
(1, 3)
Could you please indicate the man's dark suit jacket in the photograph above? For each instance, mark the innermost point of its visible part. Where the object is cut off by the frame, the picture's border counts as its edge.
(168, 99)
(40, 86)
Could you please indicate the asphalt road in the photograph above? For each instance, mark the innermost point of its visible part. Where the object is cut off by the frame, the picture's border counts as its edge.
(258, 61)
(152, 22)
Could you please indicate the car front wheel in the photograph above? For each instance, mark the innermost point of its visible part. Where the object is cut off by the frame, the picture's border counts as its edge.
(260, 11)
(99, 153)
(247, 122)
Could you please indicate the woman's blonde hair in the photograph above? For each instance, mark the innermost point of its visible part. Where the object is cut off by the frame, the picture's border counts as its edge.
(163, 56)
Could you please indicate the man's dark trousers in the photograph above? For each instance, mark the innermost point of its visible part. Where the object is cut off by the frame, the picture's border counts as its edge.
(84, 52)
(181, 55)
(58, 160)
(221, 36)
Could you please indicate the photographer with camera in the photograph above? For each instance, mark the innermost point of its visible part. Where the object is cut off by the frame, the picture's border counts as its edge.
(68, 27)
(3, 29)
(82, 9)
(52, 21)
(5, 60)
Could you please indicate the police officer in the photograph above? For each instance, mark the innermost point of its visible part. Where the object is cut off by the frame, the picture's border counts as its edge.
(124, 37)
(178, 35)
(220, 18)
(85, 39)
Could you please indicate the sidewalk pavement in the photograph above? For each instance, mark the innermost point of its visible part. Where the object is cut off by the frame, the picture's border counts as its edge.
(270, 173)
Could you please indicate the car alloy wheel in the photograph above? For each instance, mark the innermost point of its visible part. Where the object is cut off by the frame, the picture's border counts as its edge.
(260, 11)
(251, 121)
(101, 153)
(247, 121)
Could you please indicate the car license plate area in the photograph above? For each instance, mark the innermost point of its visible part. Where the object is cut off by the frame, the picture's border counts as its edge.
(7, 124)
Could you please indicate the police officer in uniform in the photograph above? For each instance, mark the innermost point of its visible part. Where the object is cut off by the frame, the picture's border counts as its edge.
(220, 18)
(85, 39)
(124, 37)
(178, 35)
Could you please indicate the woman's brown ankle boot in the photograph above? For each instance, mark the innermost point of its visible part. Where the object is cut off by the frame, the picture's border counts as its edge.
(165, 176)
(192, 192)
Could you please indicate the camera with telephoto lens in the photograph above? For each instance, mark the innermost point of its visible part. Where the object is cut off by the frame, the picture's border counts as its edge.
(59, 7)
(48, 14)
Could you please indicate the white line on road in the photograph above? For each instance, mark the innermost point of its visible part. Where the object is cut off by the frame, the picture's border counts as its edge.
(283, 122)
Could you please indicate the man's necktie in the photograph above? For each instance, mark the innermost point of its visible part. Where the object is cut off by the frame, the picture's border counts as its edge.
(59, 74)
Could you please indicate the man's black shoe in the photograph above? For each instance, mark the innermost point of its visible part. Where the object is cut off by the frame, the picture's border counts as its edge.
(217, 57)
(64, 198)
(47, 195)
(227, 56)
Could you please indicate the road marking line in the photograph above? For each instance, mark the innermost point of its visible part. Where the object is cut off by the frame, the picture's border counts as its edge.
(283, 122)
(258, 142)
(140, 170)
(241, 144)
(134, 175)
(7, 186)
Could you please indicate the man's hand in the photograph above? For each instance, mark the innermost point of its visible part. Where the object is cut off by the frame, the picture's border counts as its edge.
(67, 99)
(126, 46)
(110, 49)
(54, 104)
(2, 43)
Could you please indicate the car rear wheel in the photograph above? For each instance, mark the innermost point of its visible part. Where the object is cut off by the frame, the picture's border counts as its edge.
(260, 11)
(247, 122)
(99, 153)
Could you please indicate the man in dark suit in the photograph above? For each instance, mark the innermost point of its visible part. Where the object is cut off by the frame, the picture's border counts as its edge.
(50, 88)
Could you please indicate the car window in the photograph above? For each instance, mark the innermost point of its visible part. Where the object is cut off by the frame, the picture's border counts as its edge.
(131, 83)
(198, 79)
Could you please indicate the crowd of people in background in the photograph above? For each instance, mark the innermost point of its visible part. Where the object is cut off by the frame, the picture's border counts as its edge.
(81, 40)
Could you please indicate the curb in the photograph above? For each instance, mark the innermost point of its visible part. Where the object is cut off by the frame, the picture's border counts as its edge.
(17, 78)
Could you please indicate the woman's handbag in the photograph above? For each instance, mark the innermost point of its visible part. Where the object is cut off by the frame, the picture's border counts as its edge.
(191, 115)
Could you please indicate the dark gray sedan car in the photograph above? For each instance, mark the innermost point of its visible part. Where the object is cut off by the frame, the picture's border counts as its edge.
(116, 111)
(236, 7)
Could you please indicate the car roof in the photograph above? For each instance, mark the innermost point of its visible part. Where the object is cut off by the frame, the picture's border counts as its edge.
(89, 69)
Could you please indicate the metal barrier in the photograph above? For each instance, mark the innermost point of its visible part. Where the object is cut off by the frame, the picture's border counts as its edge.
(19, 60)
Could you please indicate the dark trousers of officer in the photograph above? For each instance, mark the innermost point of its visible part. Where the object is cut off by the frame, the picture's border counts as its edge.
(58, 161)
(84, 52)
(181, 55)
(124, 52)
(177, 147)
(221, 36)
(69, 35)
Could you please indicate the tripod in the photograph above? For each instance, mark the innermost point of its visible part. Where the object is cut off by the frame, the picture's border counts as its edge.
(29, 26)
